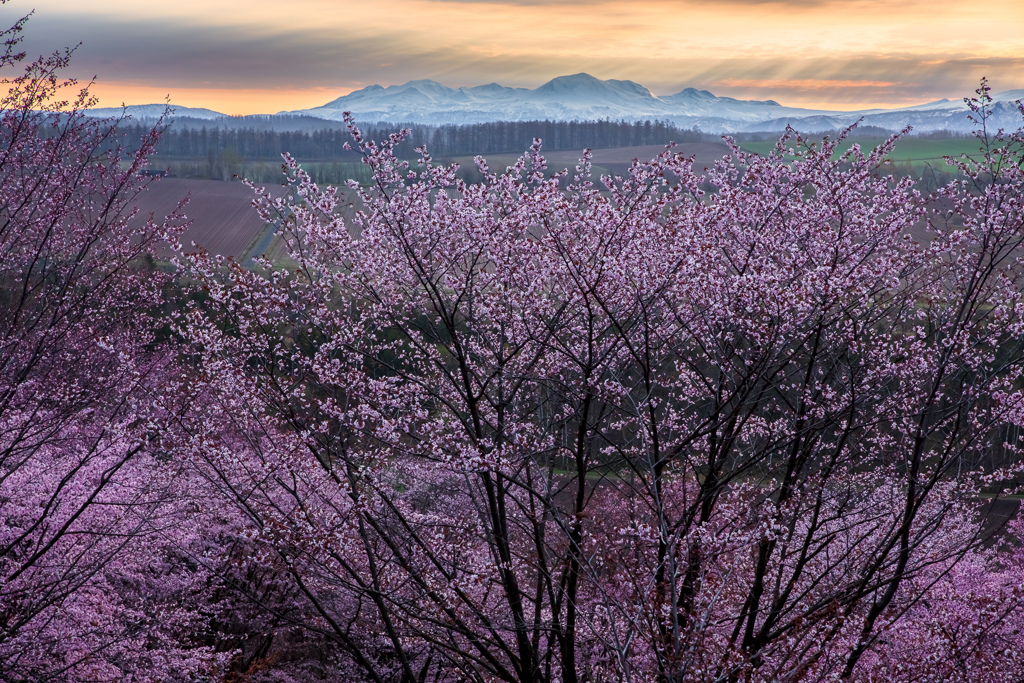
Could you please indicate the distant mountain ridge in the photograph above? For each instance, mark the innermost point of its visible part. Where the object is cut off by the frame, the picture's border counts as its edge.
(565, 98)
(154, 111)
(582, 97)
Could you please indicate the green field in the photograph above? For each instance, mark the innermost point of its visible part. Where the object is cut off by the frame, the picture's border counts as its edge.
(916, 151)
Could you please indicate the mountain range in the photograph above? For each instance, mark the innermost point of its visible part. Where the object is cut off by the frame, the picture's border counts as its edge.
(583, 97)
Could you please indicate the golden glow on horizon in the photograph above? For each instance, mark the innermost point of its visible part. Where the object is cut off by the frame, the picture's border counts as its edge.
(838, 54)
(235, 102)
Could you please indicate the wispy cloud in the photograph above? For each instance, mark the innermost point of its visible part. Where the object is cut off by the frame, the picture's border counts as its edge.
(804, 83)
(844, 53)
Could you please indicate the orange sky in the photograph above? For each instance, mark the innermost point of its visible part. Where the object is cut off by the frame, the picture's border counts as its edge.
(263, 56)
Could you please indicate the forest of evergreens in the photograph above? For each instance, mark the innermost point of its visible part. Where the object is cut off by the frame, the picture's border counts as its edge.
(251, 146)
(186, 139)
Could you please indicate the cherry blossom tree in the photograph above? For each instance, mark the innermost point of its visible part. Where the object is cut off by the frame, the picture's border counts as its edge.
(677, 426)
(93, 585)
(672, 426)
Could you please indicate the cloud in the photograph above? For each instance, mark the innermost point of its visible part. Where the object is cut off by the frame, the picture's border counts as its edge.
(851, 5)
(178, 53)
(738, 60)
(804, 83)
(523, 3)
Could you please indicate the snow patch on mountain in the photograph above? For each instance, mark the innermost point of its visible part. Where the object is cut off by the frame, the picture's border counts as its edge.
(149, 112)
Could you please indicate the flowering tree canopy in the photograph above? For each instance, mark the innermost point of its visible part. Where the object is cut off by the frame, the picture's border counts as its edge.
(90, 589)
(673, 426)
(728, 425)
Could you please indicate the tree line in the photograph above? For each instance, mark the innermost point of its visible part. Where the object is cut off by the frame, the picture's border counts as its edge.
(328, 143)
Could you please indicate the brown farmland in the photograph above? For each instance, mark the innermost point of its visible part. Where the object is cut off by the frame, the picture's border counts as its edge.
(223, 220)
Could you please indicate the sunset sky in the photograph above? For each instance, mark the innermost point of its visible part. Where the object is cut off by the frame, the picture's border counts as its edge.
(264, 56)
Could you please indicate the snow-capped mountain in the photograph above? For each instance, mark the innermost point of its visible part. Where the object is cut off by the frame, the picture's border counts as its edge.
(576, 97)
(583, 97)
(149, 112)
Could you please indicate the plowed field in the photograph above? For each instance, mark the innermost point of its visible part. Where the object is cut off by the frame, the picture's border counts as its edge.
(223, 219)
